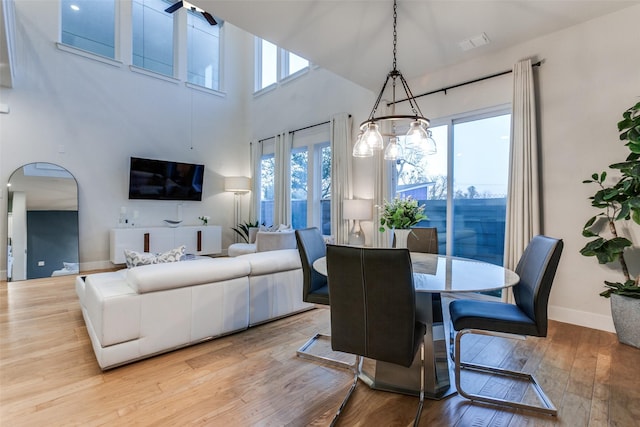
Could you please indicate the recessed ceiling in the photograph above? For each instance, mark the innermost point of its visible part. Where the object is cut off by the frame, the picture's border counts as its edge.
(353, 38)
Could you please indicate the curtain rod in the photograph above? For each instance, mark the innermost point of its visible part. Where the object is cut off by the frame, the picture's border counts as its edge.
(445, 89)
(298, 130)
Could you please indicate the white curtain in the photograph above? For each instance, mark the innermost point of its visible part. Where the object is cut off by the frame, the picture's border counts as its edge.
(523, 204)
(256, 157)
(382, 190)
(282, 188)
(341, 174)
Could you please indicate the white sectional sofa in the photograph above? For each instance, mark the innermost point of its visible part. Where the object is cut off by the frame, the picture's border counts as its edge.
(146, 310)
(265, 241)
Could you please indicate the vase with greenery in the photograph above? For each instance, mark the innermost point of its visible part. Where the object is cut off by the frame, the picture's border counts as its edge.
(619, 202)
(400, 213)
(243, 230)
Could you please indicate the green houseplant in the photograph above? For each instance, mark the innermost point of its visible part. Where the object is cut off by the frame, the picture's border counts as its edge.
(618, 202)
(243, 230)
(401, 213)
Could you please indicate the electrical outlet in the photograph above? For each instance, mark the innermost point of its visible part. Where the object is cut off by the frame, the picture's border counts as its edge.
(40, 263)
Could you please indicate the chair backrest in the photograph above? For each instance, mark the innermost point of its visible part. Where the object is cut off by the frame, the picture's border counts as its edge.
(373, 303)
(422, 239)
(311, 246)
(537, 268)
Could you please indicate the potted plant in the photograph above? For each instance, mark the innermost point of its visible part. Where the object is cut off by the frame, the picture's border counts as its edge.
(245, 230)
(399, 215)
(620, 201)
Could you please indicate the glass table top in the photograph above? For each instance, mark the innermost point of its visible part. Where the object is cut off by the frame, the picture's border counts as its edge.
(441, 273)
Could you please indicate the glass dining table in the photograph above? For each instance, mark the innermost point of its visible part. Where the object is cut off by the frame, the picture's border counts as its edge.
(434, 275)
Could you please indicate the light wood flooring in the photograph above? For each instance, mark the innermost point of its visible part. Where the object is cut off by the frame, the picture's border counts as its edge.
(49, 376)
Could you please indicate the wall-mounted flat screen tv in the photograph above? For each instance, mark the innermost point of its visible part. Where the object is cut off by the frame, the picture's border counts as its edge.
(165, 180)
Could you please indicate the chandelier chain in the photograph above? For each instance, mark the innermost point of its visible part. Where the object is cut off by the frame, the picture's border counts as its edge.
(395, 33)
(370, 128)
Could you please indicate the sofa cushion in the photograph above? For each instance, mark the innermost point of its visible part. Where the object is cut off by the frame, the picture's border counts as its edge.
(150, 278)
(272, 261)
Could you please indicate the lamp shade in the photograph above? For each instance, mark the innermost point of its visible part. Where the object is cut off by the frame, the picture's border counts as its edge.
(237, 184)
(356, 209)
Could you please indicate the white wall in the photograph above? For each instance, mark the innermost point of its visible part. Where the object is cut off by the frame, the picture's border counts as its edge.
(90, 117)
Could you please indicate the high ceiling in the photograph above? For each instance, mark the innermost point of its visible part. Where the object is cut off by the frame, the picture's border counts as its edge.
(353, 38)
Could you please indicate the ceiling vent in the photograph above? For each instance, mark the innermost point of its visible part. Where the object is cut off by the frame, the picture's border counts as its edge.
(473, 42)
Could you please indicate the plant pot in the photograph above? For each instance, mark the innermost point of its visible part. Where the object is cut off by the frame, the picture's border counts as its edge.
(401, 236)
(626, 319)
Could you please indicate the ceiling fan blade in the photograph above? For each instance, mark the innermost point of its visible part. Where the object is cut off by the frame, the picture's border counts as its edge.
(174, 7)
(209, 18)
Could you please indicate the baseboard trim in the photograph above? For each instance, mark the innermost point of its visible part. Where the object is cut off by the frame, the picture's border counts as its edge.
(581, 318)
(97, 265)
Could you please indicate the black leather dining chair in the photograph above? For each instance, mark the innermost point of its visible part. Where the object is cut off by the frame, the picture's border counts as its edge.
(422, 239)
(373, 309)
(528, 316)
(315, 290)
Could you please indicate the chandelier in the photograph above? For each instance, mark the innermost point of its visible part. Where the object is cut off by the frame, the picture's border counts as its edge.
(418, 137)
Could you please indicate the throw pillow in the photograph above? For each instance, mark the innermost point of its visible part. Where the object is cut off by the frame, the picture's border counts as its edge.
(134, 259)
(71, 266)
(171, 256)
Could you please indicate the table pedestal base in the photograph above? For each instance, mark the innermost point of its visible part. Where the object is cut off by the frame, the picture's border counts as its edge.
(398, 379)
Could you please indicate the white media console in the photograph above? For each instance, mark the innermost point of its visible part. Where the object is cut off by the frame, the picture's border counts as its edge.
(199, 240)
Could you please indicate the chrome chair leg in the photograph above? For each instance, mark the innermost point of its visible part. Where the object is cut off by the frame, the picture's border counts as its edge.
(416, 422)
(548, 407)
(356, 372)
(358, 375)
(305, 354)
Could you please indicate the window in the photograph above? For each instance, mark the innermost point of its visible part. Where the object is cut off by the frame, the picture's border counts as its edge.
(274, 65)
(268, 64)
(292, 63)
(203, 54)
(325, 188)
(89, 25)
(152, 36)
(267, 174)
(309, 181)
(311, 184)
(468, 204)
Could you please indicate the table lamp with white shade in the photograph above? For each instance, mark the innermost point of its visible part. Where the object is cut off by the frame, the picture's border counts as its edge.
(356, 210)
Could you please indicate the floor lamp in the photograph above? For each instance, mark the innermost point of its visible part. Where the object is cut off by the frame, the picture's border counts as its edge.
(357, 210)
(238, 185)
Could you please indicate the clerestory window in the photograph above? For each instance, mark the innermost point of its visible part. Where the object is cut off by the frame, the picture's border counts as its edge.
(274, 65)
(152, 36)
(203, 56)
(89, 25)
